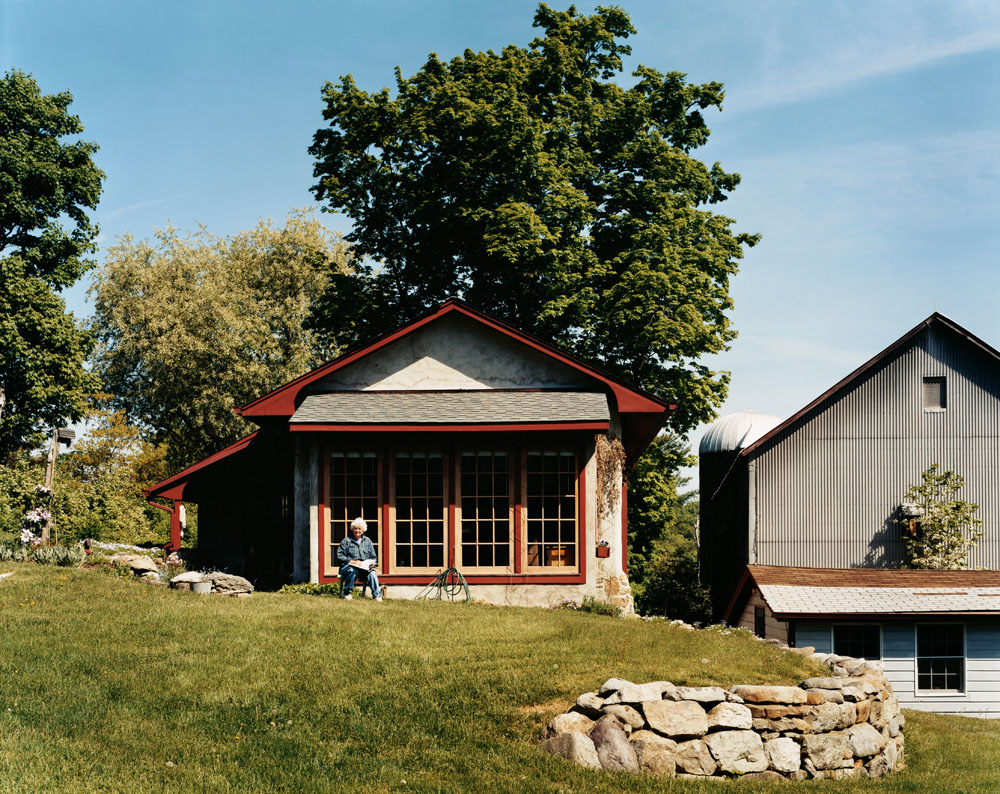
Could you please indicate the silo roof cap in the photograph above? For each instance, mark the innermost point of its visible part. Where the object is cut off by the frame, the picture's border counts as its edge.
(734, 432)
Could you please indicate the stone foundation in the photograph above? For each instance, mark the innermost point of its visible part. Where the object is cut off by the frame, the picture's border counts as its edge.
(846, 725)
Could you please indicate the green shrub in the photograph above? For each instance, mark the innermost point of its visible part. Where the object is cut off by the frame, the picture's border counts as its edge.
(592, 605)
(311, 588)
(11, 551)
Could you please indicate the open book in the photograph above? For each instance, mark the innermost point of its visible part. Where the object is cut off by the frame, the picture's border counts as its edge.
(364, 565)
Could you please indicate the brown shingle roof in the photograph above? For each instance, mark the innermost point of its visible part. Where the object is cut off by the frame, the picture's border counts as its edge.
(871, 577)
(449, 408)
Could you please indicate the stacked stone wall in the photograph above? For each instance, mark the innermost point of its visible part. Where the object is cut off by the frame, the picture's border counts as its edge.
(845, 725)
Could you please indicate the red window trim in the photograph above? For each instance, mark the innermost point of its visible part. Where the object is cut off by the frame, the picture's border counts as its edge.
(517, 577)
(597, 427)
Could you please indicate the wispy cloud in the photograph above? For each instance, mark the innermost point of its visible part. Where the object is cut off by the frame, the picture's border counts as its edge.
(115, 213)
(807, 51)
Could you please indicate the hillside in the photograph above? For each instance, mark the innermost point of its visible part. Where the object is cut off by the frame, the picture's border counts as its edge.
(110, 684)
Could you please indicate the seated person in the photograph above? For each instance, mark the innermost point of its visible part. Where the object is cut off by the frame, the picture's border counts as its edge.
(352, 553)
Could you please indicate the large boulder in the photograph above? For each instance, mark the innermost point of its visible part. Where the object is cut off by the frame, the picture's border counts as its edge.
(694, 758)
(139, 564)
(612, 745)
(654, 753)
(682, 719)
(565, 723)
(737, 752)
(228, 584)
(729, 716)
(865, 741)
(576, 747)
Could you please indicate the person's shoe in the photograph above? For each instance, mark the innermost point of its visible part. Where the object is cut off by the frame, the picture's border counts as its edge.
(348, 597)
(378, 598)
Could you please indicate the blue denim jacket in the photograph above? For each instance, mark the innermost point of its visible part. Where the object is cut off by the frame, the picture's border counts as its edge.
(351, 549)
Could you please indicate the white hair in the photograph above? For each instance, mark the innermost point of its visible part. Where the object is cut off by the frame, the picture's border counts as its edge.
(359, 522)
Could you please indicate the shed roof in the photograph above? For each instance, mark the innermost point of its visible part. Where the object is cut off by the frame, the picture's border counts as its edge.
(436, 408)
(854, 592)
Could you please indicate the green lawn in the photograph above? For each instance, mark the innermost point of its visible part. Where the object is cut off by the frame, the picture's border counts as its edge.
(105, 680)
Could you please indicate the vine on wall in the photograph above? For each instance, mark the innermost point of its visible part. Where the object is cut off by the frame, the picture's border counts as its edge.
(610, 468)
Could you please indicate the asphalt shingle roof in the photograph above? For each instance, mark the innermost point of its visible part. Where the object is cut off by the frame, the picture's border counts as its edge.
(461, 407)
(828, 591)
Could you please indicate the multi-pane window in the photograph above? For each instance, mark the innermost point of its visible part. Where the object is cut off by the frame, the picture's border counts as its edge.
(860, 641)
(759, 622)
(550, 479)
(353, 493)
(420, 510)
(485, 504)
(941, 657)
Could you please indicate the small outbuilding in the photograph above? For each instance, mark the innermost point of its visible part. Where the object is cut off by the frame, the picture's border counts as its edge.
(461, 441)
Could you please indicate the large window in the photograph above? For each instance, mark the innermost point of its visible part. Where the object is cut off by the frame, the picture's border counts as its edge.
(862, 641)
(354, 491)
(941, 657)
(487, 517)
(420, 502)
(458, 505)
(551, 491)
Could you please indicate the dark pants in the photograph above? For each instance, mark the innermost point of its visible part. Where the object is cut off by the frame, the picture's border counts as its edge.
(349, 574)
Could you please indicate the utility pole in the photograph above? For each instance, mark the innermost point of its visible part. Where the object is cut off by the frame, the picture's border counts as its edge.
(66, 436)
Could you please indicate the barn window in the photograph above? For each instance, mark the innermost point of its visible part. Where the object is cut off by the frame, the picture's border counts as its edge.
(935, 394)
(862, 641)
(941, 657)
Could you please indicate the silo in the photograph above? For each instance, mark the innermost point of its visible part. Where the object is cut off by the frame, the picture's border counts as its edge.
(724, 525)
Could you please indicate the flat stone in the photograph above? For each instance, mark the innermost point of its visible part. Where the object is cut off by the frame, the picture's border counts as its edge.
(591, 704)
(729, 716)
(737, 752)
(831, 695)
(789, 695)
(865, 741)
(566, 723)
(626, 715)
(701, 694)
(783, 755)
(613, 748)
(576, 747)
(138, 563)
(823, 683)
(831, 717)
(613, 685)
(640, 693)
(767, 774)
(694, 758)
(654, 753)
(678, 720)
(828, 750)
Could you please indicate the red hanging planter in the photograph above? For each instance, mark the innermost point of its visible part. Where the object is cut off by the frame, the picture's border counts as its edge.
(603, 551)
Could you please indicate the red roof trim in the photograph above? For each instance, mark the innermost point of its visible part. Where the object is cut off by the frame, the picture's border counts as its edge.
(935, 319)
(281, 401)
(173, 487)
(379, 428)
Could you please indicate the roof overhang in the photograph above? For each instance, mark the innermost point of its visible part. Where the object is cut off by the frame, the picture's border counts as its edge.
(173, 487)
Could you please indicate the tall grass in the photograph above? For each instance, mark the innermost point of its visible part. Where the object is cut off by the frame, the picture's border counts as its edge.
(109, 684)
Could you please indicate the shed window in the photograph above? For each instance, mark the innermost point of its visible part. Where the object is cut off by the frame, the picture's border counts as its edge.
(941, 657)
(486, 509)
(859, 641)
(353, 492)
(551, 489)
(935, 394)
(420, 510)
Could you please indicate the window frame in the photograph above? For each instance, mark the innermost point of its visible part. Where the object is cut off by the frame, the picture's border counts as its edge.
(517, 446)
(942, 382)
(513, 467)
(390, 502)
(523, 551)
(876, 626)
(328, 565)
(941, 693)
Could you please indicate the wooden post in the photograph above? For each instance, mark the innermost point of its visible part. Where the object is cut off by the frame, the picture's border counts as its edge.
(175, 525)
(50, 467)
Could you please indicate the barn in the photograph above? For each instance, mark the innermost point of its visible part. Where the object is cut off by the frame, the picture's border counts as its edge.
(460, 440)
(801, 520)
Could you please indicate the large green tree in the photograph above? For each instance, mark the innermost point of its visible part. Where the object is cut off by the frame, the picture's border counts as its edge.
(191, 327)
(532, 185)
(48, 181)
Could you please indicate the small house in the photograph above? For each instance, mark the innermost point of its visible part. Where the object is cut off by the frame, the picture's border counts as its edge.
(461, 441)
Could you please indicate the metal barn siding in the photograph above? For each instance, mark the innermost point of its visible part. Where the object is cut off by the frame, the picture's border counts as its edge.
(828, 488)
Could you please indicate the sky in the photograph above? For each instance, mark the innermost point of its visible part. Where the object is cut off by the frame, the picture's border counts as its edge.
(867, 134)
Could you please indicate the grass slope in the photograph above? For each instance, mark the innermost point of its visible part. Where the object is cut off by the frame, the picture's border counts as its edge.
(104, 680)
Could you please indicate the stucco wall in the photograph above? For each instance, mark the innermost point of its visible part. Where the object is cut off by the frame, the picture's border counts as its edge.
(453, 352)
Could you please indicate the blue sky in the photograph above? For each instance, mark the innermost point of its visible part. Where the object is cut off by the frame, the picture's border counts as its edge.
(867, 134)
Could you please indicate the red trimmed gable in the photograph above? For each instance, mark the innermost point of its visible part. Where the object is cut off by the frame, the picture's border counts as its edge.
(283, 401)
(173, 487)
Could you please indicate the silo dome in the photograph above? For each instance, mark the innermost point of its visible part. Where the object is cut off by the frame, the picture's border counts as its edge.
(736, 431)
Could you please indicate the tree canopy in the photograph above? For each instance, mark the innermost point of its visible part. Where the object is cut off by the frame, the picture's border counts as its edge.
(191, 327)
(533, 186)
(48, 181)
(939, 529)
